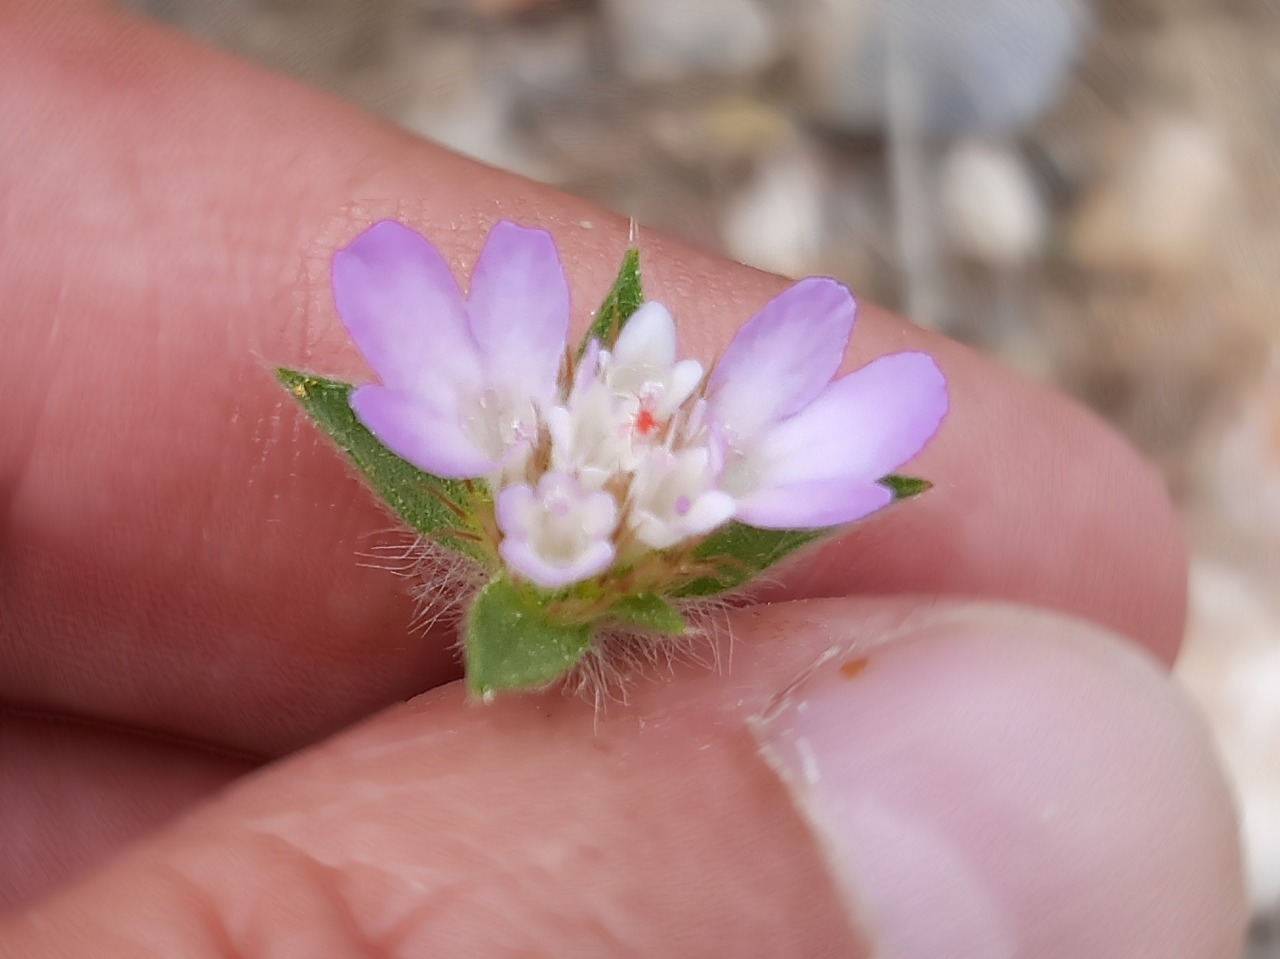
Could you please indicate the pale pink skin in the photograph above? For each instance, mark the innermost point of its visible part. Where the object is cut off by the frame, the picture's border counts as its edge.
(984, 778)
(465, 383)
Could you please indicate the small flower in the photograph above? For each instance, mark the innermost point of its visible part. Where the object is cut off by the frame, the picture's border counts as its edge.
(802, 451)
(462, 380)
(630, 447)
(643, 368)
(674, 497)
(606, 485)
(591, 432)
(559, 533)
(622, 400)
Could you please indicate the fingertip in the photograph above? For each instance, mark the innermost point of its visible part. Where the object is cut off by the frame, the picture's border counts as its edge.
(1003, 783)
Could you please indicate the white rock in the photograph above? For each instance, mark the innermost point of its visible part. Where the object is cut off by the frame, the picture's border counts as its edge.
(991, 210)
(668, 41)
(1231, 666)
(1260, 821)
(777, 221)
(1253, 684)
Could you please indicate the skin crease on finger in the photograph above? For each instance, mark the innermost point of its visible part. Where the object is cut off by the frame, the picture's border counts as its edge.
(534, 827)
(71, 795)
(179, 550)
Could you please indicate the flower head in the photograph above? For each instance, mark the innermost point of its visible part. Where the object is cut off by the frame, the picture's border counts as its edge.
(589, 464)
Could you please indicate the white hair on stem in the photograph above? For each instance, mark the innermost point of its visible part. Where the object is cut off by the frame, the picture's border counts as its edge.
(440, 580)
(621, 658)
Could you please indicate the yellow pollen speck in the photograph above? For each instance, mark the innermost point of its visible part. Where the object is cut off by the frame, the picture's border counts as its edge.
(300, 389)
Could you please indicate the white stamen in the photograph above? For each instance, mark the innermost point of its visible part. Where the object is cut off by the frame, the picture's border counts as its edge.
(630, 423)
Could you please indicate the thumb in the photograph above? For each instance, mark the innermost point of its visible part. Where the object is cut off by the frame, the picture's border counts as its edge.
(870, 779)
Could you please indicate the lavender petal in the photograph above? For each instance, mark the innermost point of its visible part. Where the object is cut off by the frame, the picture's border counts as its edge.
(521, 556)
(783, 357)
(861, 427)
(814, 505)
(403, 309)
(430, 439)
(519, 308)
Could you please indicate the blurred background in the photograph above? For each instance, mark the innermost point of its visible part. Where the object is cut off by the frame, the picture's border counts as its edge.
(1088, 189)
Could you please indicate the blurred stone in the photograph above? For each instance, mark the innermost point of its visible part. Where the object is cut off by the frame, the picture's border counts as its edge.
(506, 8)
(550, 59)
(319, 41)
(724, 130)
(859, 246)
(480, 8)
(1243, 463)
(1161, 211)
(667, 41)
(1159, 361)
(1231, 666)
(444, 92)
(991, 210)
(1129, 12)
(776, 222)
(1023, 349)
(594, 140)
(988, 67)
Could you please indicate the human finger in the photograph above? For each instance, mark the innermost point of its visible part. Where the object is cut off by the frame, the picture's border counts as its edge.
(182, 550)
(71, 795)
(961, 781)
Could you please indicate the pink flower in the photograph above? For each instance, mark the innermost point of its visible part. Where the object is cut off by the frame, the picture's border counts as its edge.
(462, 379)
(802, 451)
(631, 439)
(559, 533)
(674, 497)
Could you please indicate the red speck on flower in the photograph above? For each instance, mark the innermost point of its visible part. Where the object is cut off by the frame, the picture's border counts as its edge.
(646, 422)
